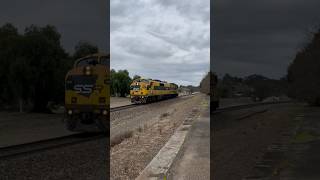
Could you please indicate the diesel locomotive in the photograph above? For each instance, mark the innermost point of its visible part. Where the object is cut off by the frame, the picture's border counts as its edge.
(87, 94)
(149, 90)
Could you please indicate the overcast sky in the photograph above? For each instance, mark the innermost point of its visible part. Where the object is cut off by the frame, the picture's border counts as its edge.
(260, 37)
(76, 20)
(161, 39)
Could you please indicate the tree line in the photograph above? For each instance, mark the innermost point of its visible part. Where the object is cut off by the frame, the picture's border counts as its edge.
(120, 82)
(256, 86)
(304, 72)
(33, 66)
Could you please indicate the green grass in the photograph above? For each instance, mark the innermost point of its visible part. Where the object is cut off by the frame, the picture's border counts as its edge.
(304, 137)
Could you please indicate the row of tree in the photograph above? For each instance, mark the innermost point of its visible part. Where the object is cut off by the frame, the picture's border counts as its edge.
(256, 86)
(304, 72)
(33, 65)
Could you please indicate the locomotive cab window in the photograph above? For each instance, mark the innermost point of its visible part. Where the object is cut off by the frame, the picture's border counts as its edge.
(87, 61)
(135, 87)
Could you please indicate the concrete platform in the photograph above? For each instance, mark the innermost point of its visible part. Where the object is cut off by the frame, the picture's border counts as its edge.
(186, 155)
(193, 160)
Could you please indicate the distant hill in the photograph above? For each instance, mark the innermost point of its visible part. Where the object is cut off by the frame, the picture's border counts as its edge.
(255, 86)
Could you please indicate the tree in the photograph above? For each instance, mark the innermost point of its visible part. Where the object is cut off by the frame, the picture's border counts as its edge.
(34, 65)
(45, 57)
(9, 42)
(304, 72)
(205, 84)
(123, 82)
(120, 82)
(83, 49)
(113, 89)
(136, 77)
(19, 79)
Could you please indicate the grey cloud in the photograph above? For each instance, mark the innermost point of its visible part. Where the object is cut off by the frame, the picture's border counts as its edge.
(260, 36)
(190, 8)
(160, 40)
(76, 20)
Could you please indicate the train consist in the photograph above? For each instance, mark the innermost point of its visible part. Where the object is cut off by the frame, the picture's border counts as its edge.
(149, 90)
(209, 86)
(87, 94)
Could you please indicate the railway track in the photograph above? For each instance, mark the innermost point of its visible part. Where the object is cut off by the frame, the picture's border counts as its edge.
(42, 145)
(245, 106)
(119, 108)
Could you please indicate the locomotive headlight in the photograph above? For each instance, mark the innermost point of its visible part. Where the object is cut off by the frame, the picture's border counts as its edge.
(87, 70)
(70, 112)
(104, 112)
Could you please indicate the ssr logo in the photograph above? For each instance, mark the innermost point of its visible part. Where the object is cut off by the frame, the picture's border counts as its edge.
(83, 88)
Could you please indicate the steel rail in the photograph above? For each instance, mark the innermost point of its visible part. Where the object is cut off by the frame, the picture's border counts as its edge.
(43, 145)
(119, 108)
(245, 106)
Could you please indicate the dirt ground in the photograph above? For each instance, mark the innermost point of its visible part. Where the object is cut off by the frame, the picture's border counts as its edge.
(300, 154)
(160, 121)
(18, 128)
(242, 138)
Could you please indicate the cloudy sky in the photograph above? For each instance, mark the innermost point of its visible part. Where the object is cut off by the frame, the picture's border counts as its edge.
(76, 20)
(161, 39)
(260, 37)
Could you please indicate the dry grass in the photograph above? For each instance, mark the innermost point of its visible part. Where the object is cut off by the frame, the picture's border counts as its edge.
(118, 139)
(164, 115)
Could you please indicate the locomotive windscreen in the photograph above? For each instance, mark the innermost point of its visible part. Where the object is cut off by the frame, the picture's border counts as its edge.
(82, 84)
(135, 87)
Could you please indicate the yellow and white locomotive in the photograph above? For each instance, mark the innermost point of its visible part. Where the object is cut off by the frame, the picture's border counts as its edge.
(87, 93)
(149, 90)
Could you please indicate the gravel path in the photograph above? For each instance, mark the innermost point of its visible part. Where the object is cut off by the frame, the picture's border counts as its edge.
(143, 115)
